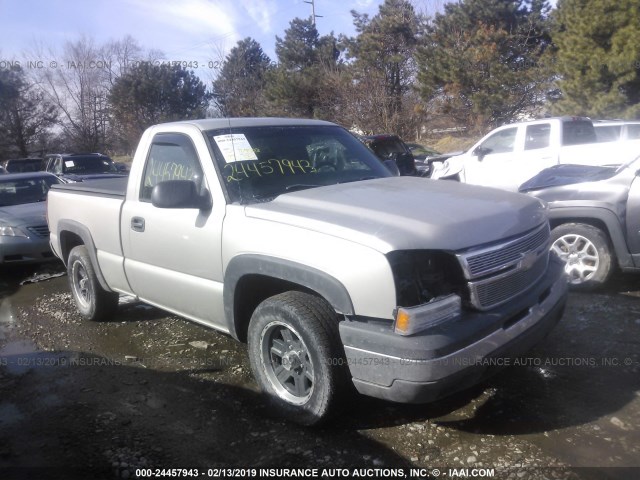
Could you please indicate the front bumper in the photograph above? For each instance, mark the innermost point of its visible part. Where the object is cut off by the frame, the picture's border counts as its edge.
(22, 250)
(424, 367)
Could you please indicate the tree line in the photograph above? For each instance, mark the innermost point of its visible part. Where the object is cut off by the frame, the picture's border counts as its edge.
(475, 65)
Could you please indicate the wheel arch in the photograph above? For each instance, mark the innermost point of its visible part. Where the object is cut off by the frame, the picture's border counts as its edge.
(600, 218)
(70, 235)
(249, 279)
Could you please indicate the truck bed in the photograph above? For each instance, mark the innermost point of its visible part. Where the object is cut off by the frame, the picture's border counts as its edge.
(91, 210)
(107, 187)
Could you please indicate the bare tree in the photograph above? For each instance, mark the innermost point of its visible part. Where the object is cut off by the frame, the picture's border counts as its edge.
(77, 83)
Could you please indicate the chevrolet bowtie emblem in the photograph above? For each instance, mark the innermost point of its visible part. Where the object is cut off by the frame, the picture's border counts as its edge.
(527, 260)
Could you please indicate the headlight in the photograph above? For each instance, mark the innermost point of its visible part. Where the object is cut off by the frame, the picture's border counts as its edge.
(422, 275)
(430, 289)
(12, 232)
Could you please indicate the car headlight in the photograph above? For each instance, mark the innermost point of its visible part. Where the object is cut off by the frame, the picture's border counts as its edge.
(430, 289)
(11, 231)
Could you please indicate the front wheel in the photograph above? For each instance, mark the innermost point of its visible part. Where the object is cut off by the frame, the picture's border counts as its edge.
(93, 301)
(586, 252)
(297, 357)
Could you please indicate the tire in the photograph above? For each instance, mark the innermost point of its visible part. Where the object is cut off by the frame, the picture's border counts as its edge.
(297, 357)
(93, 302)
(586, 252)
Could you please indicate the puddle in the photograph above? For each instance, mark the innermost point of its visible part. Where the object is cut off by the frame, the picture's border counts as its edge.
(7, 319)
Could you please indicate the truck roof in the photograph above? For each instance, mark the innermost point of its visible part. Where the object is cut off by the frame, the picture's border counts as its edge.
(217, 123)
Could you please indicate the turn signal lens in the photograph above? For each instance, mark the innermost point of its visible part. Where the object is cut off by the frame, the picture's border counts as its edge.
(411, 320)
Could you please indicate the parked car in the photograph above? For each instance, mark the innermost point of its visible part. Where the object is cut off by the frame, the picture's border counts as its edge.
(21, 165)
(80, 167)
(510, 155)
(391, 147)
(24, 235)
(595, 217)
(616, 130)
(420, 152)
(291, 235)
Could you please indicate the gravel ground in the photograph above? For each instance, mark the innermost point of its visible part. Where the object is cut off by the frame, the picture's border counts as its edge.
(147, 390)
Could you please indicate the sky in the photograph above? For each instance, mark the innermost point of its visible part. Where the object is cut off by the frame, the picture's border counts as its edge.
(201, 31)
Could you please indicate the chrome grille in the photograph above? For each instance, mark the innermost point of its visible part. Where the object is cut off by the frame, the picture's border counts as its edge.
(494, 291)
(500, 257)
(39, 230)
(498, 273)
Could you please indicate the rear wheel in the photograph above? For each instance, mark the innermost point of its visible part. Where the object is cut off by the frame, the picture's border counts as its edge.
(297, 357)
(93, 301)
(586, 252)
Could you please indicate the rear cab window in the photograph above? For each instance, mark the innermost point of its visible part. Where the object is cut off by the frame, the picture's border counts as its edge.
(537, 136)
(578, 132)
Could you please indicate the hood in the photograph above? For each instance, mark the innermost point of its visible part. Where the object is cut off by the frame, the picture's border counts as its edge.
(72, 177)
(448, 166)
(399, 213)
(559, 175)
(25, 214)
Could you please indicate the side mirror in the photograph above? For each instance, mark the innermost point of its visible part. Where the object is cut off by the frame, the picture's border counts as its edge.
(121, 168)
(179, 194)
(481, 152)
(406, 163)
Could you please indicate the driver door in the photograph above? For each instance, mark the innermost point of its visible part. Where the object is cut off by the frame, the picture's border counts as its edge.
(494, 162)
(173, 255)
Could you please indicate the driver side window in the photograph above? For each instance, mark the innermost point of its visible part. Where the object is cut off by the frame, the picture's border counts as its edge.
(500, 142)
(171, 157)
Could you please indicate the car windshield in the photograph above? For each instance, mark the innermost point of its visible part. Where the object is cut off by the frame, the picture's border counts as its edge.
(260, 163)
(84, 165)
(24, 190)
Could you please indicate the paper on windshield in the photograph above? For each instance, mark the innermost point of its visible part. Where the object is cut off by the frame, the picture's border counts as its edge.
(69, 164)
(235, 147)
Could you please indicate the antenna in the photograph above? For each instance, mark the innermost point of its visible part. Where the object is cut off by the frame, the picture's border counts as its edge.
(313, 11)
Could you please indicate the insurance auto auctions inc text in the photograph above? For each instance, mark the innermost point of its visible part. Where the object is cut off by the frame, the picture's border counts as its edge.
(375, 472)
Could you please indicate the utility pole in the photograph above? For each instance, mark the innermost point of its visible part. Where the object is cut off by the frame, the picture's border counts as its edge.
(313, 11)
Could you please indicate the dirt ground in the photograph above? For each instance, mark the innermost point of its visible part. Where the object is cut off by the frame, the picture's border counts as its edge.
(151, 391)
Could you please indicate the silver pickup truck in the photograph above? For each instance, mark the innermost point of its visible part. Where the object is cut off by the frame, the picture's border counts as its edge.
(291, 236)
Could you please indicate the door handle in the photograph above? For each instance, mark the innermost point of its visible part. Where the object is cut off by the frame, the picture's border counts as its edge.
(137, 224)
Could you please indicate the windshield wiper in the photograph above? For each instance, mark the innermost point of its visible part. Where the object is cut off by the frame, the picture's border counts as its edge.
(288, 188)
(358, 179)
(301, 186)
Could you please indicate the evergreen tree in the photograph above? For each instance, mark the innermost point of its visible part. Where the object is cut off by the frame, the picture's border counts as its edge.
(481, 63)
(383, 66)
(150, 94)
(598, 57)
(239, 89)
(304, 58)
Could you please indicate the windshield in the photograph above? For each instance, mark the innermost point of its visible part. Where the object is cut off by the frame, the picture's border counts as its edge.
(86, 165)
(260, 163)
(25, 190)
